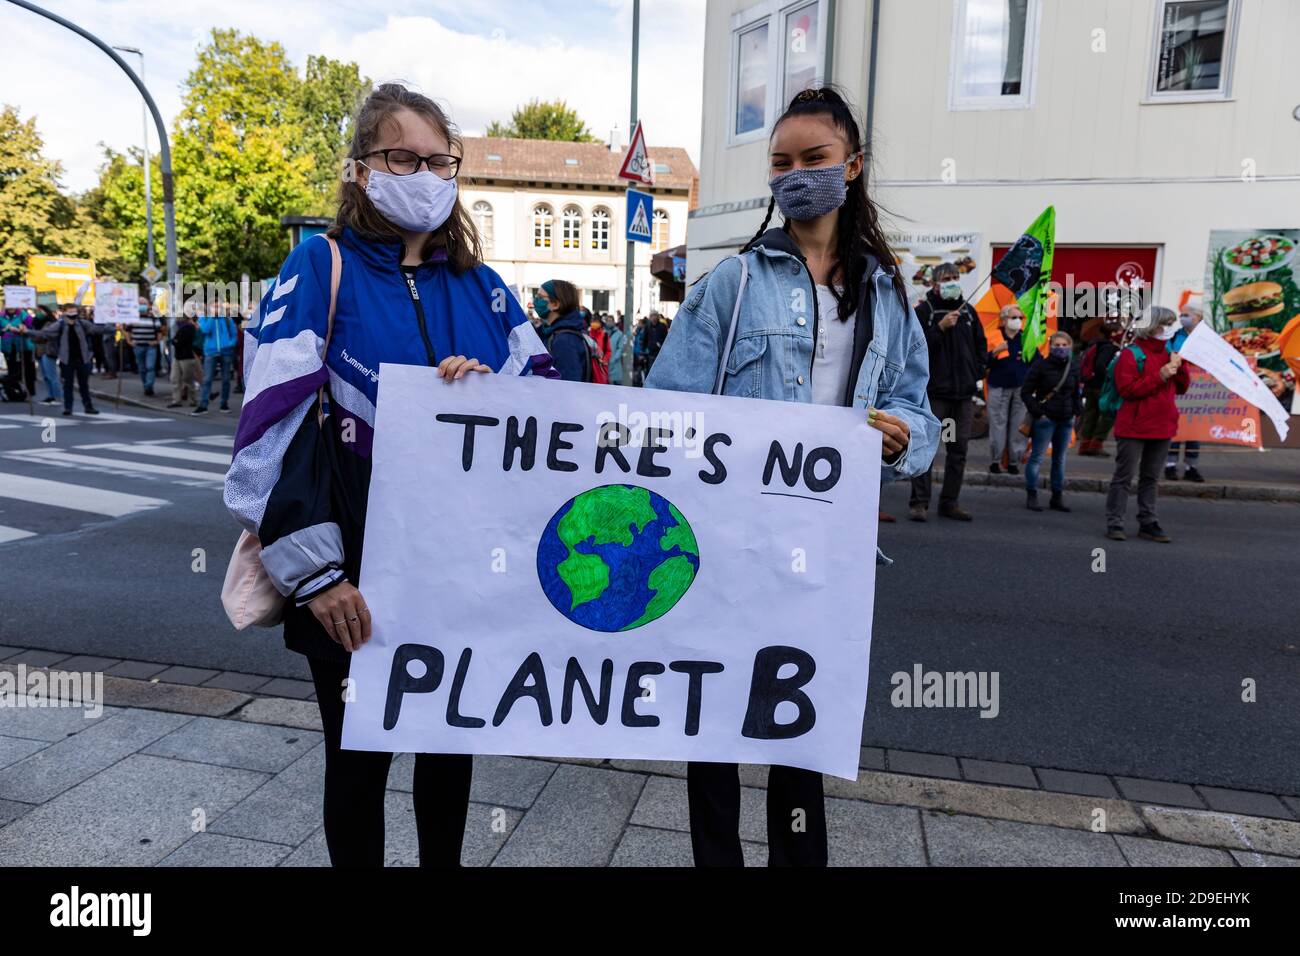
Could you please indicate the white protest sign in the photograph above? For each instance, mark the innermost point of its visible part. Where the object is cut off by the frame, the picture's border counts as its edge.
(570, 570)
(20, 296)
(116, 303)
(1204, 347)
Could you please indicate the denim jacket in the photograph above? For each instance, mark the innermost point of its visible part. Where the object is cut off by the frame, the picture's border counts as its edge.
(773, 350)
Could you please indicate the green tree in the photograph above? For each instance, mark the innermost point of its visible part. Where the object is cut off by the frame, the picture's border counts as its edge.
(544, 119)
(36, 217)
(253, 141)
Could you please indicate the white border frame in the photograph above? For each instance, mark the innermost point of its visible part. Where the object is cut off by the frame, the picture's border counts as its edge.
(1221, 95)
(771, 12)
(1025, 100)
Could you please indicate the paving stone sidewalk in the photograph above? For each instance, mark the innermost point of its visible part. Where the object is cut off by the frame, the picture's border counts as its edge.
(207, 776)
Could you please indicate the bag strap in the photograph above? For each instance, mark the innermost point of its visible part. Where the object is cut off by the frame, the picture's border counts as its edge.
(336, 274)
(731, 331)
(1057, 387)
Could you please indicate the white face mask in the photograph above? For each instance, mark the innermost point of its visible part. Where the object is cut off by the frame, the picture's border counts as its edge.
(1013, 326)
(1165, 333)
(420, 202)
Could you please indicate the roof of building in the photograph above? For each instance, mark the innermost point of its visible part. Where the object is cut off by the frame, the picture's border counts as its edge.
(549, 161)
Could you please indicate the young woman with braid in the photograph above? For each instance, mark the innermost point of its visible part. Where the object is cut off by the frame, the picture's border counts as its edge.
(824, 318)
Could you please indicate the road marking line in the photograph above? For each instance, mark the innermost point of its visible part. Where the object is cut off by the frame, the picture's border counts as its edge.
(220, 441)
(14, 534)
(63, 494)
(163, 451)
(39, 420)
(54, 456)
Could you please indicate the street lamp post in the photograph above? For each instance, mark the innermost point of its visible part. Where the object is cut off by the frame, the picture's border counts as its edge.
(148, 177)
(164, 152)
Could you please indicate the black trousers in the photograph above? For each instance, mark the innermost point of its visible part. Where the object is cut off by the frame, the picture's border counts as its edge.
(961, 411)
(796, 815)
(355, 781)
(81, 370)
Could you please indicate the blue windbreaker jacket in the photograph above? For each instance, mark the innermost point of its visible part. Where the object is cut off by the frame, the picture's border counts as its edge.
(302, 488)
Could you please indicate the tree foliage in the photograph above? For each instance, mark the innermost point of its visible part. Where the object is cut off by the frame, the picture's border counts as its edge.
(254, 141)
(544, 119)
(36, 217)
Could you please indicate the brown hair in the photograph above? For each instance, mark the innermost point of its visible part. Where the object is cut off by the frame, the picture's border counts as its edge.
(356, 212)
(565, 294)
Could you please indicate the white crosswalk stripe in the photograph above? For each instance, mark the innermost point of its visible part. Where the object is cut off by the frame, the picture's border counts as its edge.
(159, 450)
(198, 461)
(63, 494)
(56, 456)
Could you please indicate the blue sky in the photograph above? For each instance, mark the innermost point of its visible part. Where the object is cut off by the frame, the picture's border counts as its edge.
(480, 57)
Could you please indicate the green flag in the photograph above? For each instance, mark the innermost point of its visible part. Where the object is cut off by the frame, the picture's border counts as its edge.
(1026, 270)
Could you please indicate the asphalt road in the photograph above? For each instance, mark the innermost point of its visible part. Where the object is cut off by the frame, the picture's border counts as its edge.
(1134, 671)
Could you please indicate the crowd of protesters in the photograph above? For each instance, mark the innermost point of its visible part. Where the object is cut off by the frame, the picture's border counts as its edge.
(1057, 400)
(66, 346)
(591, 346)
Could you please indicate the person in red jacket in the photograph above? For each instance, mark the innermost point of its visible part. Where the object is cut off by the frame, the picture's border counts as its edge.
(1146, 422)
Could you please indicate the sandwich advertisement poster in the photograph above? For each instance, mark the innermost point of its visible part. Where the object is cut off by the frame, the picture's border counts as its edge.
(1252, 299)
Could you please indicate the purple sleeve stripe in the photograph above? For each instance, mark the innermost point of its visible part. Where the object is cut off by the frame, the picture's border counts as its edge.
(273, 404)
(541, 365)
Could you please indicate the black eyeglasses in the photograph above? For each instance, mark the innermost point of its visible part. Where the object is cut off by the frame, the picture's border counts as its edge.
(404, 162)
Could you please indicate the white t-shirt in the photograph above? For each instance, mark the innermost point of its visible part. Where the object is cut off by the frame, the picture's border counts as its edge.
(833, 353)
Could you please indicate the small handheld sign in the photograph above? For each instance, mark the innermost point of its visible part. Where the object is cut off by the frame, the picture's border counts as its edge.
(636, 164)
(640, 213)
(19, 297)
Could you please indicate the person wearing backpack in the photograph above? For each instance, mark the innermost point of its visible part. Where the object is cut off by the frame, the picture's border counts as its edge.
(813, 312)
(1051, 394)
(1146, 377)
(1094, 424)
(398, 278)
(565, 334)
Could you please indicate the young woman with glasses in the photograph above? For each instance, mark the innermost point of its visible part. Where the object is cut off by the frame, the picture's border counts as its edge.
(413, 290)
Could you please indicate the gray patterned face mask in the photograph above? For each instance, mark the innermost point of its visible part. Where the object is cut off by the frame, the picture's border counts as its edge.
(809, 193)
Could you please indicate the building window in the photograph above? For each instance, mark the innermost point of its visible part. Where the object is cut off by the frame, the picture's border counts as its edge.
(994, 54)
(751, 80)
(571, 228)
(802, 56)
(1194, 40)
(659, 231)
(483, 223)
(778, 48)
(543, 220)
(600, 229)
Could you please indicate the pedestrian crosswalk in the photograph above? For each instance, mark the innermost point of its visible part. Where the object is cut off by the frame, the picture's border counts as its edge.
(84, 477)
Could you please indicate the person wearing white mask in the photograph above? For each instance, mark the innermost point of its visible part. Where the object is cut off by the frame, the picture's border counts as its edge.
(399, 278)
(1148, 377)
(1007, 369)
(1189, 316)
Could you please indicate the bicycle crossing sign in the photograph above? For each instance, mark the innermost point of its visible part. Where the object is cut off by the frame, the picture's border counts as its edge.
(640, 214)
(636, 164)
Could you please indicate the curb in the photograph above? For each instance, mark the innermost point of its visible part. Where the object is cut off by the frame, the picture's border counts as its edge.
(1171, 489)
(104, 396)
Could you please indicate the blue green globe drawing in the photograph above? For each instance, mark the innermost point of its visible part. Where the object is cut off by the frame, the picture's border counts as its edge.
(616, 557)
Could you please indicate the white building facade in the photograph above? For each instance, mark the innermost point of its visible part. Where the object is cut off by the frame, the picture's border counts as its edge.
(555, 210)
(1146, 123)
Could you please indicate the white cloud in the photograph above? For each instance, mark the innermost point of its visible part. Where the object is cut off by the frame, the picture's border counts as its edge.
(497, 55)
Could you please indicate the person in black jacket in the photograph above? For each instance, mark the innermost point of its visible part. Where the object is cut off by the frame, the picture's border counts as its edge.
(1094, 426)
(1051, 395)
(958, 356)
(564, 329)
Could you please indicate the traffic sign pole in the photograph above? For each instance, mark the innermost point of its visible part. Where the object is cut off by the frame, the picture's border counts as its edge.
(628, 299)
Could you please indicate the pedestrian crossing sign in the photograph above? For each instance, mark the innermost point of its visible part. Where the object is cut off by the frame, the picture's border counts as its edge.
(640, 213)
